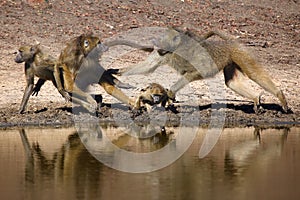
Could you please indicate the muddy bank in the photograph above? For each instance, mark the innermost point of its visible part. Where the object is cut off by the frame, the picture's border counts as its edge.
(54, 114)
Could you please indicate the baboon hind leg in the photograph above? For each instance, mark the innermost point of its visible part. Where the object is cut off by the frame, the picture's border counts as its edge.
(256, 73)
(235, 80)
(265, 82)
(153, 61)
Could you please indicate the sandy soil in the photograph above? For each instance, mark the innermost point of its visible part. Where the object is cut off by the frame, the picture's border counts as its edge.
(270, 28)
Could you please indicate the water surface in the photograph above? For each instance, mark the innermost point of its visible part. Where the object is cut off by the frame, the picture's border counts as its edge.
(245, 163)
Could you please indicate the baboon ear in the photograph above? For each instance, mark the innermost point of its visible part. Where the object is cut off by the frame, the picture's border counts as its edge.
(80, 37)
(33, 49)
(90, 33)
(175, 28)
(177, 39)
(170, 28)
(79, 40)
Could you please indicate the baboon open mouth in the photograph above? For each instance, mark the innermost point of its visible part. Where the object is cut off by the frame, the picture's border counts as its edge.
(156, 98)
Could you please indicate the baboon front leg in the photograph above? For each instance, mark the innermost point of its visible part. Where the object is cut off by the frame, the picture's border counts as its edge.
(234, 79)
(147, 66)
(29, 73)
(183, 81)
(27, 93)
(118, 94)
(137, 104)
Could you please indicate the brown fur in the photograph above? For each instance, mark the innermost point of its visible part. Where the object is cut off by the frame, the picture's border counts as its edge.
(79, 65)
(37, 64)
(153, 94)
(196, 59)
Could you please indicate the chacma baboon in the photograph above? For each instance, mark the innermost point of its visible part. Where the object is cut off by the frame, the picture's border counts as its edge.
(195, 59)
(78, 67)
(37, 63)
(153, 94)
(150, 48)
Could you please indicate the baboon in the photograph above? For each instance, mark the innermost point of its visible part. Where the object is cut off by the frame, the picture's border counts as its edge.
(78, 66)
(150, 48)
(196, 59)
(37, 63)
(41, 64)
(153, 94)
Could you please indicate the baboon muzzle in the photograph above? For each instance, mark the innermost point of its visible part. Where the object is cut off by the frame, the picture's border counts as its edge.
(156, 98)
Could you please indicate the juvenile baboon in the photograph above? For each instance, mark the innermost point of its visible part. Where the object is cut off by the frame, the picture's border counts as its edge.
(195, 59)
(37, 63)
(153, 94)
(79, 67)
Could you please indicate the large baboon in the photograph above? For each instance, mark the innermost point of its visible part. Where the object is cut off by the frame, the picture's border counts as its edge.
(78, 66)
(196, 58)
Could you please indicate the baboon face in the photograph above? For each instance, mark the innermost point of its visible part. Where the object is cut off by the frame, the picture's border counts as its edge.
(169, 42)
(91, 44)
(156, 91)
(25, 53)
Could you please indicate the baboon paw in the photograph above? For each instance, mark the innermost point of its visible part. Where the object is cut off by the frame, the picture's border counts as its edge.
(259, 110)
(137, 111)
(67, 97)
(91, 109)
(21, 111)
(172, 108)
(35, 92)
(287, 110)
(171, 95)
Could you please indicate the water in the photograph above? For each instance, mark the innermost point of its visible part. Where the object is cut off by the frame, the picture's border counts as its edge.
(245, 163)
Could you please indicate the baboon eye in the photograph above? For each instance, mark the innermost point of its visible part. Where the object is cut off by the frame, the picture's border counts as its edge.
(32, 49)
(86, 43)
(176, 38)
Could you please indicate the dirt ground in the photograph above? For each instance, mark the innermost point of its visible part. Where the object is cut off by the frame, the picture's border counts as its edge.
(269, 28)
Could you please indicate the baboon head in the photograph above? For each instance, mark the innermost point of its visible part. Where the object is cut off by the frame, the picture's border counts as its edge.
(26, 53)
(87, 43)
(156, 91)
(81, 47)
(169, 42)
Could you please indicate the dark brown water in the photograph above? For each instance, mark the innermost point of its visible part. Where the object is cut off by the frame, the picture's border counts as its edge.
(245, 163)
